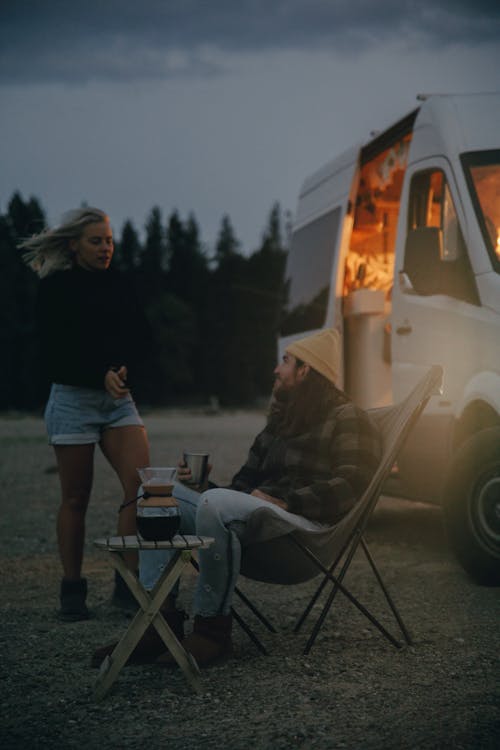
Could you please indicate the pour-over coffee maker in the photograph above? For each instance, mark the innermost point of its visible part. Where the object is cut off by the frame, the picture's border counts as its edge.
(158, 514)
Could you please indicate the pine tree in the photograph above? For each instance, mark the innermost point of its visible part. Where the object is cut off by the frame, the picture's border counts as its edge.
(26, 218)
(128, 250)
(227, 243)
(153, 261)
(21, 384)
(187, 262)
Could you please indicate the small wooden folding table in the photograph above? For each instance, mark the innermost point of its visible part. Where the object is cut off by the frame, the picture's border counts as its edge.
(149, 604)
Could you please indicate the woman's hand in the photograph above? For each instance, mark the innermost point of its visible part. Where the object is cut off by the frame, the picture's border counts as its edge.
(115, 382)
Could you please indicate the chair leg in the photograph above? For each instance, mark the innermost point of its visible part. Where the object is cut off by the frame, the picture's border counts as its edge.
(239, 619)
(388, 597)
(251, 606)
(314, 599)
(326, 578)
(338, 586)
(246, 628)
(320, 588)
(318, 592)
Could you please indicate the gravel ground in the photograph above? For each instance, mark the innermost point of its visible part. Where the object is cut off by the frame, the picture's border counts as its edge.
(354, 690)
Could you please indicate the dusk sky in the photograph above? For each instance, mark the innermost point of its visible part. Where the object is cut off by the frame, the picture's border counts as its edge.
(216, 107)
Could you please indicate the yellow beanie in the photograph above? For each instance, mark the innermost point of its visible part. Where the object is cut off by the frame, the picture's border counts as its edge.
(321, 351)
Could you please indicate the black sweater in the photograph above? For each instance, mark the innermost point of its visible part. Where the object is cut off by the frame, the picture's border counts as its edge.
(89, 321)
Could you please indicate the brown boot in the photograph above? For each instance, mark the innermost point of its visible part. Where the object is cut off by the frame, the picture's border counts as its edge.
(151, 646)
(209, 642)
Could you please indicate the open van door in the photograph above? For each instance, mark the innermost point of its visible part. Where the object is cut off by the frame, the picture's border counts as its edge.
(319, 244)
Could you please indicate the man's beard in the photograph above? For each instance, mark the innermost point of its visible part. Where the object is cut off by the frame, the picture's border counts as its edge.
(283, 394)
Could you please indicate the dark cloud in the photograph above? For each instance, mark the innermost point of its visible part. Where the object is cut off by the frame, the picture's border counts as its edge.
(57, 40)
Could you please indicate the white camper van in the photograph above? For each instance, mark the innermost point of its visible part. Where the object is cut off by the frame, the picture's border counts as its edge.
(396, 243)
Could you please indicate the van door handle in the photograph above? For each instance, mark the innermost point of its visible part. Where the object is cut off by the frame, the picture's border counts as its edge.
(404, 330)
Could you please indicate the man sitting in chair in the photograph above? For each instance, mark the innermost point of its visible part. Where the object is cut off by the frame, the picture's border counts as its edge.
(314, 458)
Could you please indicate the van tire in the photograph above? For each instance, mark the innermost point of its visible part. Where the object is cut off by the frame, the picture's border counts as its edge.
(472, 506)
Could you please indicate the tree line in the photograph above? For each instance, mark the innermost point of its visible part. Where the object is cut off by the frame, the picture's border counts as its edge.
(214, 316)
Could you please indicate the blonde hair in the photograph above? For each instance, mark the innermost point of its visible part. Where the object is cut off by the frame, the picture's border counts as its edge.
(49, 250)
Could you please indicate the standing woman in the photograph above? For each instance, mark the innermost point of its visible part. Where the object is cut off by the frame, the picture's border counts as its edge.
(92, 334)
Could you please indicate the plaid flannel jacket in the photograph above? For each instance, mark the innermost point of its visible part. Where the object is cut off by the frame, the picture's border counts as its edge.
(320, 474)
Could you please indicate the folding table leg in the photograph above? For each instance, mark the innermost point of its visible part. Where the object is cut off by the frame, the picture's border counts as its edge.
(149, 613)
(114, 663)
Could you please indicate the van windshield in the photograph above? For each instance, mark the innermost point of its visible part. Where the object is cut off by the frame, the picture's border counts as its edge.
(482, 170)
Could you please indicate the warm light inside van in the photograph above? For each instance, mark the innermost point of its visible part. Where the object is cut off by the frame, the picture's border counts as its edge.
(482, 169)
(370, 261)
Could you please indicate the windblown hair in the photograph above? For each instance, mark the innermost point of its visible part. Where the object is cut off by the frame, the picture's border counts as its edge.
(49, 250)
(306, 404)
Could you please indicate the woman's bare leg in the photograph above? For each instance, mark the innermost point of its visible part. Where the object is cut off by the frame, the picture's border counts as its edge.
(127, 449)
(75, 463)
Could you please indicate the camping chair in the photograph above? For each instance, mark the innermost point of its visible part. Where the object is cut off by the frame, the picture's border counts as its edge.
(271, 544)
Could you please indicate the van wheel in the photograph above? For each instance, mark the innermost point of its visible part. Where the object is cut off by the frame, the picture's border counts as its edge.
(472, 506)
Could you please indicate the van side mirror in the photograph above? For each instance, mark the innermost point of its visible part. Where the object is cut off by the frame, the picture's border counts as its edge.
(422, 263)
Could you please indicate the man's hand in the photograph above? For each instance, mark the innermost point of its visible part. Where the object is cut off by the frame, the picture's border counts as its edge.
(184, 476)
(270, 499)
(115, 382)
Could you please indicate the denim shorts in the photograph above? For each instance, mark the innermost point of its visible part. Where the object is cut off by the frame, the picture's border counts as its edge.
(78, 416)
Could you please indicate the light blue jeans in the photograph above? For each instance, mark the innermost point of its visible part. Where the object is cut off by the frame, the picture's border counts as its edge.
(218, 513)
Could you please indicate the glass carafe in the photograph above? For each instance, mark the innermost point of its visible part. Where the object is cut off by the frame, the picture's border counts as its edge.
(158, 514)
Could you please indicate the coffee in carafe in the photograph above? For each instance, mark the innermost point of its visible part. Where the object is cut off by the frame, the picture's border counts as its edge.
(158, 514)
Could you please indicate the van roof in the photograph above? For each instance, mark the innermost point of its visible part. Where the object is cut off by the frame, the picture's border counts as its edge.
(463, 122)
(459, 123)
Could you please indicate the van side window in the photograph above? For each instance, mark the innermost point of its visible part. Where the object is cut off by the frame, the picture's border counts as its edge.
(436, 259)
(308, 274)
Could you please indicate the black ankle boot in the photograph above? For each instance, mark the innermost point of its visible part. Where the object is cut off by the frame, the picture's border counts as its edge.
(72, 597)
(122, 597)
